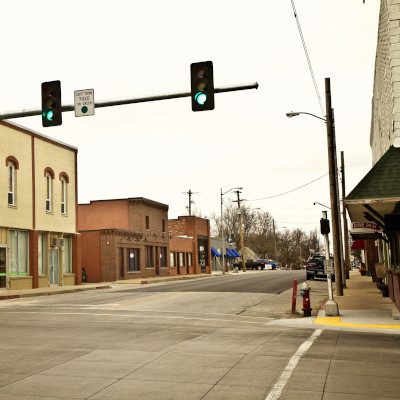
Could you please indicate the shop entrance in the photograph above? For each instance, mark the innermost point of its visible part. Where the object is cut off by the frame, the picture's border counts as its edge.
(3, 253)
(54, 267)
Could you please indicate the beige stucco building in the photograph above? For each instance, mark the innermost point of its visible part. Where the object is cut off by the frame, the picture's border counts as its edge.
(38, 210)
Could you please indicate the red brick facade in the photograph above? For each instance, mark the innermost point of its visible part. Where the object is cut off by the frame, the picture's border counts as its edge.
(124, 239)
(196, 231)
(394, 287)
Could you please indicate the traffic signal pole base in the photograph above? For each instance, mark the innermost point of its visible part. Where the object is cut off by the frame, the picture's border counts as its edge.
(331, 309)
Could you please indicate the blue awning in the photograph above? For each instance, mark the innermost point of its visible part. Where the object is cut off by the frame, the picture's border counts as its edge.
(235, 252)
(230, 253)
(214, 252)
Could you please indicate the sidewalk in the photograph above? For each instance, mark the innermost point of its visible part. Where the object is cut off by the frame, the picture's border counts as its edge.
(47, 291)
(362, 306)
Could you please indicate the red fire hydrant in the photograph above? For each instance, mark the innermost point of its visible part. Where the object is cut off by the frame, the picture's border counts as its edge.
(305, 293)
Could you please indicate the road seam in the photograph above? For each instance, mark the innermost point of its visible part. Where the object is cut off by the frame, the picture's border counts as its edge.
(277, 389)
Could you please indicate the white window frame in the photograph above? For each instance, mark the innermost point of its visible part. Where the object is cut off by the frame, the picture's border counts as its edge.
(49, 193)
(64, 197)
(12, 184)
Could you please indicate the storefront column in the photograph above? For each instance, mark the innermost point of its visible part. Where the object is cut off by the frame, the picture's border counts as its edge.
(371, 257)
(77, 259)
(33, 258)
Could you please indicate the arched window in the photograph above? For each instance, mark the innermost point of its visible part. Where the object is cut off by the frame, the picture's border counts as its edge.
(64, 192)
(49, 175)
(12, 166)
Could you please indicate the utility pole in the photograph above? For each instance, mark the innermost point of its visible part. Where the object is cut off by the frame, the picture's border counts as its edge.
(333, 189)
(339, 216)
(345, 226)
(189, 206)
(273, 230)
(241, 230)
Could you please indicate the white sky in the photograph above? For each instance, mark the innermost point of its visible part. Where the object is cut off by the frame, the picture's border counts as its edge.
(159, 150)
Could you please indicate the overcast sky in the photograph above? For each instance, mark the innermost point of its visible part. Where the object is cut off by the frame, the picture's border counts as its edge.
(162, 149)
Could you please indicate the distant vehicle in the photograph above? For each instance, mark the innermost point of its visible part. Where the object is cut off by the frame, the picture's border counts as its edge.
(315, 268)
(259, 264)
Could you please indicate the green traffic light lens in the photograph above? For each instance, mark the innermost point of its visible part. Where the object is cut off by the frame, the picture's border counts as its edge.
(49, 115)
(200, 98)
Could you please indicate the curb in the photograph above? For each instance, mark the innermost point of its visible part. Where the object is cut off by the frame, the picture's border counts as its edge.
(161, 280)
(51, 293)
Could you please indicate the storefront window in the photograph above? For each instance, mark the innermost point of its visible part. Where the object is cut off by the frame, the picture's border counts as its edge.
(42, 253)
(66, 255)
(18, 252)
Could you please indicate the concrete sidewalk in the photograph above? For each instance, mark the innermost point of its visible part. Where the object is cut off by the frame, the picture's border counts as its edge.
(362, 306)
(47, 291)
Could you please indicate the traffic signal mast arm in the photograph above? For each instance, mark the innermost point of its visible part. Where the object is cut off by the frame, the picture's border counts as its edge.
(111, 103)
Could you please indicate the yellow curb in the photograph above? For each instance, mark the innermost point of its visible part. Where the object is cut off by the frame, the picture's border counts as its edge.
(337, 321)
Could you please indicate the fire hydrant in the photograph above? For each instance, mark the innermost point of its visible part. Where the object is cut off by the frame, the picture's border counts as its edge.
(305, 293)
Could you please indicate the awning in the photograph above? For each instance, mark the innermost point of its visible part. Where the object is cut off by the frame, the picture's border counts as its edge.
(358, 244)
(236, 252)
(214, 252)
(233, 253)
(378, 193)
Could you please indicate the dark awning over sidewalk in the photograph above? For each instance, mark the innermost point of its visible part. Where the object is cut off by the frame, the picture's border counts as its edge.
(378, 193)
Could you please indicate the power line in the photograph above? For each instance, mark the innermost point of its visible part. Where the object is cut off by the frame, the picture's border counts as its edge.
(290, 191)
(308, 58)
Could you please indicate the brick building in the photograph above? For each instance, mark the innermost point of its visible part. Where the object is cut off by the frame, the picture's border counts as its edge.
(39, 244)
(189, 245)
(375, 201)
(124, 239)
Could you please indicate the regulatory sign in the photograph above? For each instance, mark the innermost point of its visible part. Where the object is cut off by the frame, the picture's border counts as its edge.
(328, 267)
(84, 102)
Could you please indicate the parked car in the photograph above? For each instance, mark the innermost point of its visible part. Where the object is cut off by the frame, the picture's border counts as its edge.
(315, 268)
(259, 264)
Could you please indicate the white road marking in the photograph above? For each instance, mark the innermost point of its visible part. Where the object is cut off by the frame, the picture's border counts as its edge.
(276, 391)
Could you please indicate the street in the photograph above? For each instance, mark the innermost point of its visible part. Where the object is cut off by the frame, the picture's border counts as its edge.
(186, 340)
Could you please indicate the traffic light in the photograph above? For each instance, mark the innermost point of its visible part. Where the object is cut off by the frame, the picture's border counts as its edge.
(325, 228)
(51, 103)
(202, 86)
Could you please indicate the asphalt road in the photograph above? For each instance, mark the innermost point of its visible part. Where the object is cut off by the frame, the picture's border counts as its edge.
(189, 340)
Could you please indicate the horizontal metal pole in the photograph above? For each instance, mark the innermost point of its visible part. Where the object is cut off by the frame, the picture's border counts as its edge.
(110, 103)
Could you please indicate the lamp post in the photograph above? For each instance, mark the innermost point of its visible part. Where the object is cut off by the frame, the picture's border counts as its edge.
(333, 185)
(222, 228)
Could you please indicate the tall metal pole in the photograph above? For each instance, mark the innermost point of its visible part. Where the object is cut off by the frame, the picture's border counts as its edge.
(223, 240)
(333, 188)
(241, 231)
(345, 225)
(331, 307)
(273, 229)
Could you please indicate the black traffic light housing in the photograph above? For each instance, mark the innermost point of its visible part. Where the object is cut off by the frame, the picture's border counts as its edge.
(202, 86)
(51, 103)
(325, 227)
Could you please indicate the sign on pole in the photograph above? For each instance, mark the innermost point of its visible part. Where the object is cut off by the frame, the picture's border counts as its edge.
(84, 102)
(328, 267)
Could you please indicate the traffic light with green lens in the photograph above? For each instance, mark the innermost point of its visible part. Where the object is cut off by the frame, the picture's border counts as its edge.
(202, 86)
(51, 103)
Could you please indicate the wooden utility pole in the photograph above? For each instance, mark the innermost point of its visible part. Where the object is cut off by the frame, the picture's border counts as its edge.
(241, 230)
(189, 206)
(345, 226)
(333, 188)
(273, 230)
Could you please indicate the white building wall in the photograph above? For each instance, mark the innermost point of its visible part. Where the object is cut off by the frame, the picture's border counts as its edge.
(385, 124)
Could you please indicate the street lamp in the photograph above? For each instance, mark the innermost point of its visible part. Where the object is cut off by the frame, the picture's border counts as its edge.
(333, 186)
(323, 205)
(222, 228)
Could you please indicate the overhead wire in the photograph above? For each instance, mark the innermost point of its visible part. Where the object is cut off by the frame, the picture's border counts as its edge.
(289, 191)
(307, 56)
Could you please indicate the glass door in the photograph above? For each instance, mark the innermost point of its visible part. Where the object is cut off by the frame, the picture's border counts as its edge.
(54, 267)
(3, 253)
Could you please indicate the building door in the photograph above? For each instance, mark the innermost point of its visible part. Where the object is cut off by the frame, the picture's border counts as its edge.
(121, 257)
(54, 267)
(3, 253)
